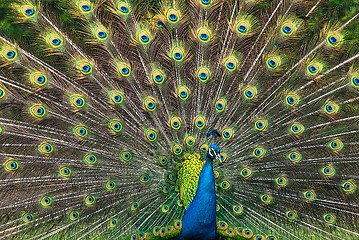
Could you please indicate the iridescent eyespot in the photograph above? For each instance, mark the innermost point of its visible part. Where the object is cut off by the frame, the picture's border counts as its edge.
(172, 16)
(261, 124)
(110, 185)
(230, 63)
(223, 157)
(281, 181)
(123, 8)
(328, 171)
(45, 148)
(90, 159)
(177, 54)
(165, 189)
(247, 233)
(85, 6)
(134, 206)
(116, 97)
(151, 134)
(292, 100)
(175, 122)
(38, 79)
(329, 218)
(160, 24)
(216, 174)
(334, 39)
(349, 186)
(27, 217)
(297, 128)
(295, 157)
(217, 207)
(250, 92)
(246, 172)
(205, 2)
(178, 224)
(336, 144)
(242, 27)
(45, 201)
(190, 141)
(271, 238)
(113, 222)
(225, 185)
(222, 225)
(204, 35)
(144, 178)
(80, 131)
(179, 203)
(158, 76)
(74, 215)
(331, 108)
(220, 105)
(355, 81)
(84, 67)
(9, 54)
(134, 237)
(273, 62)
(149, 104)
(177, 149)
(115, 125)
(37, 111)
(291, 214)
(287, 29)
(183, 92)
(203, 74)
(65, 172)
(77, 100)
(200, 122)
(162, 160)
(124, 69)
(266, 198)
(259, 237)
(172, 177)
(2, 93)
(89, 200)
(101, 33)
(238, 209)
(10, 165)
(27, 11)
(204, 148)
(126, 156)
(309, 195)
(55, 41)
(144, 37)
(314, 68)
(259, 152)
(227, 133)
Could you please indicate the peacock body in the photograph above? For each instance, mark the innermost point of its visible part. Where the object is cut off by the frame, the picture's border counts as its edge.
(199, 119)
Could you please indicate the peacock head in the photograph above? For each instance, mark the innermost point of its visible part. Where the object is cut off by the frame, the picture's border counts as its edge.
(214, 152)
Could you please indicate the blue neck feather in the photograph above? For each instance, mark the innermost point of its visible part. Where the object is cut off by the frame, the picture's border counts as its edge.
(199, 221)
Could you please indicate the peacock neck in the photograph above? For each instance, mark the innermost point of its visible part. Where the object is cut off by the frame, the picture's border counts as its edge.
(199, 221)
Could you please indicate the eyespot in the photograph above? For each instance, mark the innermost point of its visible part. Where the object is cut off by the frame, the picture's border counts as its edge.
(205, 2)
(281, 181)
(134, 237)
(160, 24)
(242, 27)
(259, 237)
(90, 159)
(144, 37)
(204, 148)
(27, 11)
(113, 222)
(204, 35)
(175, 122)
(9, 54)
(328, 171)
(10, 165)
(266, 198)
(261, 124)
(84, 67)
(291, 215)
(292, 100)
(190, 141)
(124, 69)
(162, 160)
(149, 104)
(45, 148)
(216, 174)
(183, 92)
(349, 186)
(77, 100)
(314, 68)
(250, 92)
(287, 29)
(227, 133)
(247, 233)
(179, 203)
(309, 195)
(222, 225)
(218, 208)
(158, 76)
(172, 177)
(334, 39)
(115, 125)
(246, 172)
(172, 16)
(231, 63)
(123, 8)
(116, 97)
(204, 74)
(110, 185)
(336, 144)
(355, 81)
(271, 238)
(295, 156)
(126, 156)
(65, 172)
(223, 157)
(273, 62)
(178, 224)
(297, 128)
(89, 200)
(38, 79)
(259, 152)
(151, 134)
(46, 201)
(329, 218)
(156, 231)
(2, 93)
(238, 209)
(74, 215)
(220, 105)
(225, 185)
(177, 54)
(27, 217)
(55, 41)
(37, 111)
(165, 189)
(331, 108)
(101, 33)
(177, 149)
(85, 7)
(80, 131)
(200, 122)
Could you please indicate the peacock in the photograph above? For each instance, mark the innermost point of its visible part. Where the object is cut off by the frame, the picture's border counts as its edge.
(179, 119)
